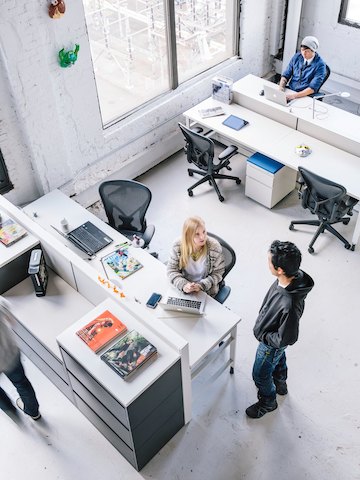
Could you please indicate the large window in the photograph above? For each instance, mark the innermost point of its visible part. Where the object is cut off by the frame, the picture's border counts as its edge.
(143, 48)
(350, 12)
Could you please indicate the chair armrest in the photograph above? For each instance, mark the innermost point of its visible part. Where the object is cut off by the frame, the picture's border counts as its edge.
(148, 234)
(228, 152)
(223, 294)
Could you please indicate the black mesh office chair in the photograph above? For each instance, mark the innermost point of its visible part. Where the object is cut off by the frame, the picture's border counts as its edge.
(230, 259)
(328, 201)
(126, 203)
(200, 151)
(319, 93)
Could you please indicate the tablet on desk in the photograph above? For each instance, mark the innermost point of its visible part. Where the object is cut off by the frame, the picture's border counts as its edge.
(235, 122)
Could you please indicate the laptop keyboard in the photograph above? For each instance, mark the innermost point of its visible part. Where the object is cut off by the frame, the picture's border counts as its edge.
(184, 302)
(87, 239)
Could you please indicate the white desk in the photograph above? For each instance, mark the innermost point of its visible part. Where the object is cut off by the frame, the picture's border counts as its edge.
(331, 124)
(202, 333)
(278, 141)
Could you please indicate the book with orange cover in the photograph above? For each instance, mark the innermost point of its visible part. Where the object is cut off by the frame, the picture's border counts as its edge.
(100, 331)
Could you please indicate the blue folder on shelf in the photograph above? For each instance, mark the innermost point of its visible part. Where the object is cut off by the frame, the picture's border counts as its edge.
(235, 122)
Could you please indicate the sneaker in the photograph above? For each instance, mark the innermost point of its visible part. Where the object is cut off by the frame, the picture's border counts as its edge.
(281, 388)
(259, 409)
(20, 405)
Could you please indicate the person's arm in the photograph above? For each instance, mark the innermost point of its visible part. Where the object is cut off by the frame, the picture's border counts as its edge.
(173, 270)
(287, 333)
(287, 74)
(303, 93)
(217, 269)
(283, 82)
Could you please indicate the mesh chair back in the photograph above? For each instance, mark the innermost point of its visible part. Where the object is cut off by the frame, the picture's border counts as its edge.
(228, 252)
(323, 197)
(327, 75)
(125, 203)
(199, 149)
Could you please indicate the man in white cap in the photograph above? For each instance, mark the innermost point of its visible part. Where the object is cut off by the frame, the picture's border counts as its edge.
(305, 72)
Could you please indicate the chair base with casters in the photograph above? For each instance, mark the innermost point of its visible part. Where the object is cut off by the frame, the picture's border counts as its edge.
(322, 227)
(329, 201)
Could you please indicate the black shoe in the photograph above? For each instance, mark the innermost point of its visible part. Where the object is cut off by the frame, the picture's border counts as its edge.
(281, 388)
(259, 408)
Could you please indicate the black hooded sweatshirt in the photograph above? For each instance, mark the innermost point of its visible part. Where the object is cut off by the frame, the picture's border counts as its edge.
(278, 322)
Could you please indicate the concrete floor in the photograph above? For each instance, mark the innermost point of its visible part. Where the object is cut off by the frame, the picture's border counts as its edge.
(315, 432)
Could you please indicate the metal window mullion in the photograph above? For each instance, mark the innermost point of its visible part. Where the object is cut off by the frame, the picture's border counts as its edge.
(171, 37)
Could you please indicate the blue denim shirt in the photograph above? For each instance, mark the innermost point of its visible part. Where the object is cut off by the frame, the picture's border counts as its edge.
(303, 77)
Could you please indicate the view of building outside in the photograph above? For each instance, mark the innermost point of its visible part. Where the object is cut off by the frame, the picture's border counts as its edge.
(131, 53)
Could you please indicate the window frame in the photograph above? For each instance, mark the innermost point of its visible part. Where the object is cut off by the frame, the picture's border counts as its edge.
(342, 15)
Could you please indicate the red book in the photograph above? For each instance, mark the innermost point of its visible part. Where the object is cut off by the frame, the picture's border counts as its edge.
(100, 331)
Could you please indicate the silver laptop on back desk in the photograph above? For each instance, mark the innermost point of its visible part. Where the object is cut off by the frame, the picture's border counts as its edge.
(184, 302)
(277, 96)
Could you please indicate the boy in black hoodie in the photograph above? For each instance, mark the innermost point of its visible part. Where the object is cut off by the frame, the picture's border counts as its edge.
(277, 325)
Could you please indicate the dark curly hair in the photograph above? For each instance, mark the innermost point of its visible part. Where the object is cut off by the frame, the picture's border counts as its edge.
(285, 255)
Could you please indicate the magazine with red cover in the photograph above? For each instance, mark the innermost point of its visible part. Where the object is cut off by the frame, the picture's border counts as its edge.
(100, 331)
(129, 353)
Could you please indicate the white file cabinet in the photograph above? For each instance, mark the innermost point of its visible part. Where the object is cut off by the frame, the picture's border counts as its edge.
(268, 181)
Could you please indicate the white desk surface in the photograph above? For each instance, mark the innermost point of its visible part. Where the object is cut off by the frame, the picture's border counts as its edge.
(46, 317)
(202, 333)
(258, 134)
(331, 124)
(126, 391)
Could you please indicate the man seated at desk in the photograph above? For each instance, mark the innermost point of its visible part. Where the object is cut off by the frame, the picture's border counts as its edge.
(306, 71)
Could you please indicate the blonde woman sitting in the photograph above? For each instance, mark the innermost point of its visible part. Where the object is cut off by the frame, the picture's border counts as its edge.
(196, 261)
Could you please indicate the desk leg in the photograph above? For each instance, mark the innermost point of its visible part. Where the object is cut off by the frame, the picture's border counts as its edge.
(233, 348)
(356, 233)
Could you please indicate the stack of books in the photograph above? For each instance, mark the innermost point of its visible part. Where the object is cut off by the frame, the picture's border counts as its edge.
(10, 231)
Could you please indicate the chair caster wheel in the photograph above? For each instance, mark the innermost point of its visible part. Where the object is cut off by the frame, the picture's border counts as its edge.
(191, 174)
(352, 248)
(347, 246)
(310, 250)
(231, 370)
(346, 221)
(291, 226)
(238, 181)
(190, 193)
(221, 199)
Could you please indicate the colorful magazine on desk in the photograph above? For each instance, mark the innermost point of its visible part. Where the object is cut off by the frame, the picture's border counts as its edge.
(129, 353)
(10, 231)
(100, 331)
(121, 262)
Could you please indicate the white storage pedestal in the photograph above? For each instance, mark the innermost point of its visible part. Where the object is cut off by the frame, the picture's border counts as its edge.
(268, 181)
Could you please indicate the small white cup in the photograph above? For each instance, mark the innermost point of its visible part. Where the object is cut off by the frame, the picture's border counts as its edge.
(64, 225)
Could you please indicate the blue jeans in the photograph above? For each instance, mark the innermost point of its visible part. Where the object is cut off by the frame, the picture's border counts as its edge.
(269, 367)
(27, 394)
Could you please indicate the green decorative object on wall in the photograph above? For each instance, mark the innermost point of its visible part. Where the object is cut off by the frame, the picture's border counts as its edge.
(68, 58)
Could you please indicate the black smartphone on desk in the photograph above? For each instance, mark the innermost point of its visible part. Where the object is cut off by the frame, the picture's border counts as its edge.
(154, 300)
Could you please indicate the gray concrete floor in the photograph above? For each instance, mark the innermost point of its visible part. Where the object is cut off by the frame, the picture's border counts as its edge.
(314, 434)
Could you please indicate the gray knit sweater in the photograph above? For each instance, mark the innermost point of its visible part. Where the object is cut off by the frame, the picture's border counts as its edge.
(215, 267)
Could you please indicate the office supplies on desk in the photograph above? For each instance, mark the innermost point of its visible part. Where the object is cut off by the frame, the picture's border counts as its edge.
(184, 302)
(211, 112)
(235, 122)
(277, 96)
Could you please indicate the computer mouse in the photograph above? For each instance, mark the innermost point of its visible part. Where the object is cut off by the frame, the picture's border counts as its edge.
(261, 92)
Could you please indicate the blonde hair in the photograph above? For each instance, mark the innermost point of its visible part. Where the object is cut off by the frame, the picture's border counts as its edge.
(187, 239)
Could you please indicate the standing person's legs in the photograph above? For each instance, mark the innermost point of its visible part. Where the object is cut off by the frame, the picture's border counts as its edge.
(280, 376)
(265, 362)
(25, 390)
(5, 402)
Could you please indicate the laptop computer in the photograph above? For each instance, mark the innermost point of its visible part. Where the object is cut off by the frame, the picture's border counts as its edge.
(87, 237)
(277, 96)
(184, 302)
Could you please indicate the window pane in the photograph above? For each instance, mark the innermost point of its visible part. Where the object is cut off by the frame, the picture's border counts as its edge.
(204, 34)
(353, 11)
(128, 44)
